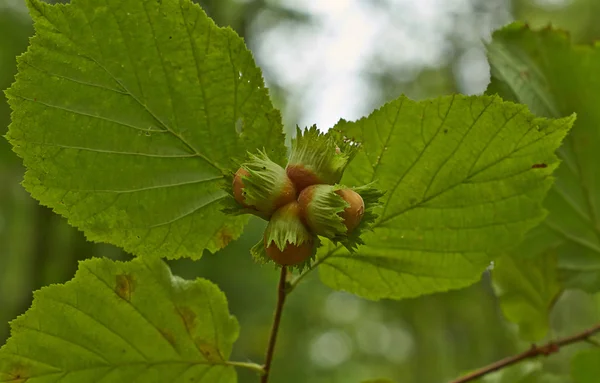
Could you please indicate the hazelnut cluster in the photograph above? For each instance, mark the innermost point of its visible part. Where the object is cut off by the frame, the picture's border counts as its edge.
(304, 200)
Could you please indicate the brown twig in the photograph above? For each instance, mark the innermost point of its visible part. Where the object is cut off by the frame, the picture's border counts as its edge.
(281, 294)
(533, 352)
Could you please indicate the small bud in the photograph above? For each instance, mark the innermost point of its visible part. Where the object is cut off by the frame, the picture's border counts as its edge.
(331, 211)
(286, 239)
(318, 158)
(262, 186)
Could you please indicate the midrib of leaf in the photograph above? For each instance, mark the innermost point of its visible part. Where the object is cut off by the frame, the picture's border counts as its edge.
(120, 153)
(433, 196)
(453, 153)
(570, 237)
(162, 63)
(387, 141)
(414, 162)
(151, 187)
(88, 84)
(565, 197)
(167, 128)
(194, 54)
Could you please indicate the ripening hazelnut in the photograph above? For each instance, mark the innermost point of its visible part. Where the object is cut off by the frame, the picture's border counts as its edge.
(263, 186)
(331, 212)
(287, 241)
(353, 214)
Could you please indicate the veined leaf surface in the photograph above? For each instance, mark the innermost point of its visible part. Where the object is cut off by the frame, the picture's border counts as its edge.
(555, 78)
(123, 322)
(465, 178)
(127, 113)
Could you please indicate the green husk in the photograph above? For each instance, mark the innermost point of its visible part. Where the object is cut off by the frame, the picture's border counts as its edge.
(285, 227)
(264, 184)
(325, 154)
(371, 197)
(322, 213)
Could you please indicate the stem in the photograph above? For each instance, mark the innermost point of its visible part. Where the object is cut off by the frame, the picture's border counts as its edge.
(533, 352)
(251, 366)
(299, 278)
(281, 294)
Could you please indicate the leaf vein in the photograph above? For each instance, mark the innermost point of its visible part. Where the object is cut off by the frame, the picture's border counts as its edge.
(102, 325)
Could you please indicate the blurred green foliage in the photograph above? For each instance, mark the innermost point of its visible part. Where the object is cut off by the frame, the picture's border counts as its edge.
(326, 336)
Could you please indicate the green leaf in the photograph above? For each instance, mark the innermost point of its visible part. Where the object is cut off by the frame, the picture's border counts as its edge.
(123, 322)
(585, 366)
(527, 290)
(464, 180)
(555, 78)
(127, 113)
(382, 380)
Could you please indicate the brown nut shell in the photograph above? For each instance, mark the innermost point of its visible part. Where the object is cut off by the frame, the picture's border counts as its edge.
(238, 186)
(353, 214)
(302, 177)
(291, 255)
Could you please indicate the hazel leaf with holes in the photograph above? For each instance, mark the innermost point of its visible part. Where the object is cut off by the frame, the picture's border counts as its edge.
(464, 179)
(128, 113)
(122, 322)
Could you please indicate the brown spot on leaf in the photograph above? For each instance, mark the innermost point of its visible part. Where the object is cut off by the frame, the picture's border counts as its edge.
(539, 166)
(18, 373)
(224, 236)
(168, 335)
(188, 317)
(125, 286)
(209, 351)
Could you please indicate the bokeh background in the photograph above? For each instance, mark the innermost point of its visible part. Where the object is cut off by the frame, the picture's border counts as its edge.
(322, 59)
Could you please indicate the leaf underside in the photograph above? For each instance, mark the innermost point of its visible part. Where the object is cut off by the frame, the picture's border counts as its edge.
(555, 78)
(127, 113)
(122, 322)
(464, 176)
(527, 290)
